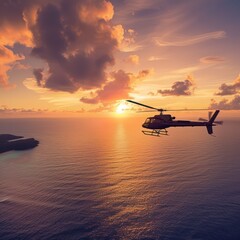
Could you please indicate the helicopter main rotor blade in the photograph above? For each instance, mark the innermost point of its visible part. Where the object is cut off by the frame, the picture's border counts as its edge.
(161, 110)
(144, 105)
(143, 111)
(187, 109)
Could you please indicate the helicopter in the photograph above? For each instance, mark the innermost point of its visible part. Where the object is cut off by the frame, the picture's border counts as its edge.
(158, 123)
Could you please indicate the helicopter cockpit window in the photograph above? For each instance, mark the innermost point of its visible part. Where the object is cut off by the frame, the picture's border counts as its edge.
(148, 120)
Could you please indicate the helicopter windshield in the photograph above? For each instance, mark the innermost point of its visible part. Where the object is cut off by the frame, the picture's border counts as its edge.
(148, 120)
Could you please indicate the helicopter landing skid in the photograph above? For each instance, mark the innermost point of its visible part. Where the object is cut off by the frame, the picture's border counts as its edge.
(156, 132)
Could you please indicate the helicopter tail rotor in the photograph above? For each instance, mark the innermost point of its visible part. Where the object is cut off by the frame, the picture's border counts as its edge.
(209, 119)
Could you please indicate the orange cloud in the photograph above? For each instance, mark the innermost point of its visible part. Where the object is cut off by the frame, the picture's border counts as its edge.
(134, 59)
(128, 44)
(7, 58)
(118, 88)
(4, 76)
(16, 17)
(90, 12)
(154, 58)
(118, 33)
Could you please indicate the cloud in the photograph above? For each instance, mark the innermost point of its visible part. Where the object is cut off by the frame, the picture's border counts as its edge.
(21, 66)
(15, 20)
(5, 109)
(7, 59)
(229, 89)
(154, 58)
(179, 88)
(4, 76)
(75, 38)
(225, 104)
(181, 42)
(77, 41)
(212, 59)
(7, 56)
(134, 59)
(38, 73)
(31, 84)
(151, 94)
(116, 89)
(128, 43)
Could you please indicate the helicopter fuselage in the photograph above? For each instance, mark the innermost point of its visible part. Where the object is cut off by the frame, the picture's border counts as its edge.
(166, 121)
(159, 123)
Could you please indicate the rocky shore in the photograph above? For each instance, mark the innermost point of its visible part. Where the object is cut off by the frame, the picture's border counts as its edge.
(10, 142)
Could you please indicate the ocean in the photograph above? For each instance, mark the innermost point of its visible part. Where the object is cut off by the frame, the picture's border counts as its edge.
(101, 178)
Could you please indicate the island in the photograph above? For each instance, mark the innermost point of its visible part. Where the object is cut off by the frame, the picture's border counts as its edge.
(9, 142)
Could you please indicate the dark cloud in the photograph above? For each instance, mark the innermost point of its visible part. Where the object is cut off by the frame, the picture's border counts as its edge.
(49, 40)
(117, 89)
(38, 73)
(229, 89)
(225, 104)
(179, 88)
(77, 41)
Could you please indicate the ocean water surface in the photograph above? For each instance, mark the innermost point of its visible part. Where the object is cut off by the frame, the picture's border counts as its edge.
(104, 179)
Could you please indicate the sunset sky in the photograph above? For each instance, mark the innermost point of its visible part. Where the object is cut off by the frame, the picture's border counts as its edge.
(84, 56)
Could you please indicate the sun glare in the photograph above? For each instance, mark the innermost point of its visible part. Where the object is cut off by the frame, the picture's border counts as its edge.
(121, 108)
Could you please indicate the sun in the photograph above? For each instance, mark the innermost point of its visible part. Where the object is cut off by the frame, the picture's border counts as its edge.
(121, 108)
